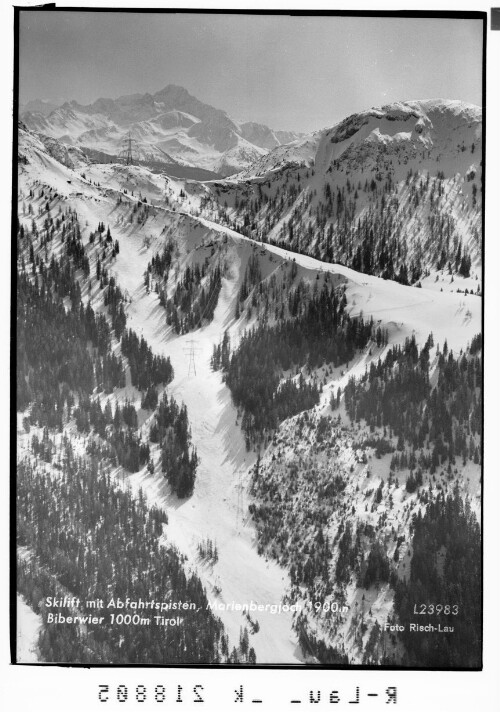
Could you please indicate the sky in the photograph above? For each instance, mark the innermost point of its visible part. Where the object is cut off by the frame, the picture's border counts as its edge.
(292, 73)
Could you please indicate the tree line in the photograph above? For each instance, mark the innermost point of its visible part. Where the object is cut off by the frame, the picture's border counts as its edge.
(319, 331)
(437, 423)
(79, 526)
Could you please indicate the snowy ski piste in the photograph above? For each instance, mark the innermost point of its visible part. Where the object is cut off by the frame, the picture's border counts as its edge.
(218, 507)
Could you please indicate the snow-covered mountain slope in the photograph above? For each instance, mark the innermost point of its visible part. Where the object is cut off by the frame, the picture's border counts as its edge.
(434, 130)
(168, 126)
(218, 510)
(370, 294)
(298, 152)
(28, 629)
(260, 282)
(395, 191)
(67, 122)
(261, 135)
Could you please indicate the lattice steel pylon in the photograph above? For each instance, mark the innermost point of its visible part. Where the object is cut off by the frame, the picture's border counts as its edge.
(127, 152)
(191, 352)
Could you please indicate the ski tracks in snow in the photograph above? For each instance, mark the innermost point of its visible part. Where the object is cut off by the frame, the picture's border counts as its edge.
(218, 508)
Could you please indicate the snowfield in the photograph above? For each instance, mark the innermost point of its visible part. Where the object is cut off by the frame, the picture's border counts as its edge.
(29, 625)
(218, 508)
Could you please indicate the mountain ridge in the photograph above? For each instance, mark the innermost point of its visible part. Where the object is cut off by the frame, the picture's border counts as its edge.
(393, 191)
(212, 140)
(325, 513)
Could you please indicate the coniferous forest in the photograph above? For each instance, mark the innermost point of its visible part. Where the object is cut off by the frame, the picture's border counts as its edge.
(317, 447)
(438, 423)
(196, 292)
(318, 331)
(366, 223)
(425, 426)
(77, 528)
(74, 520)
(445, 570)
(178, 460)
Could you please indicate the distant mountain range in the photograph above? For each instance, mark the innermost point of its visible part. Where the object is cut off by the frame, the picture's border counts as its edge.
(394, 191)
(334, 413)
(171, 127)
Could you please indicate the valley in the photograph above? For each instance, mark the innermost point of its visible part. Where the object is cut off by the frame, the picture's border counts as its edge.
(309, 504)
(169, 127)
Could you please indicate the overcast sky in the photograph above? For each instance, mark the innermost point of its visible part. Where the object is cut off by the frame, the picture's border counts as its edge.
(297, 73)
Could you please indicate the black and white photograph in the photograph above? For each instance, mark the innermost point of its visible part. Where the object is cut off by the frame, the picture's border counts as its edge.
(248, 339)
